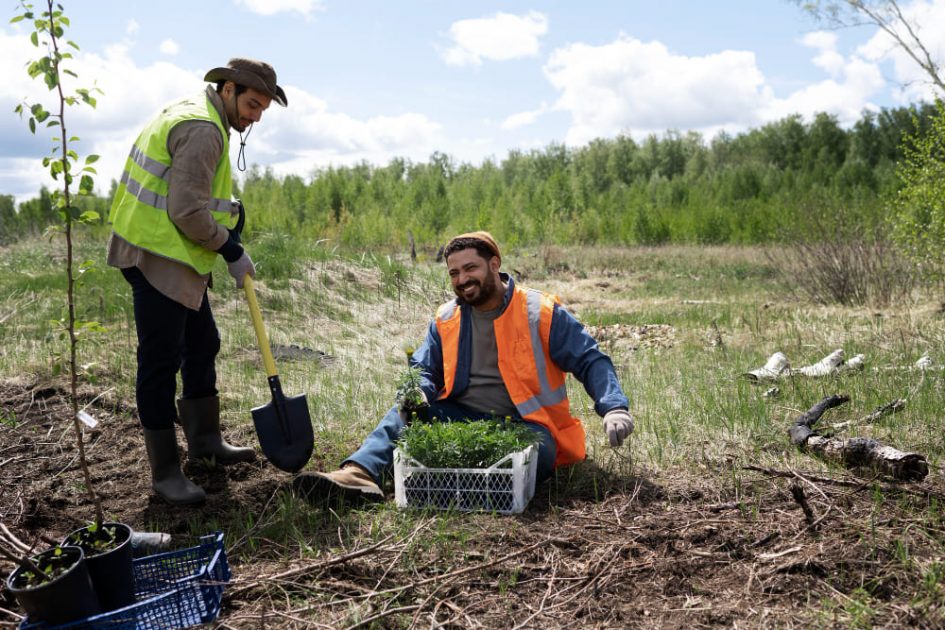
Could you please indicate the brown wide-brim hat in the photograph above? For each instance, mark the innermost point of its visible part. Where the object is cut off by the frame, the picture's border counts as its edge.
(258, 75)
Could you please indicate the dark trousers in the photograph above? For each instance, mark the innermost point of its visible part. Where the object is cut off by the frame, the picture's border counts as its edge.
(171, 338)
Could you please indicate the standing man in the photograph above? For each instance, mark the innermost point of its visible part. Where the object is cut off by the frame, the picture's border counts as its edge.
(171, 216)
(494, 350)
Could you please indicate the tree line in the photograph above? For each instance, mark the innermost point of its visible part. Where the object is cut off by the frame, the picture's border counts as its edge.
(755, 187)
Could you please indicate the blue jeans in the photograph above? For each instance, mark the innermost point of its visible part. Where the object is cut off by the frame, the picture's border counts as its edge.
(376, 454)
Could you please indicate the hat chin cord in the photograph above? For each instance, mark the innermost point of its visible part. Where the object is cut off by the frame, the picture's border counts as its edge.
(241, 158)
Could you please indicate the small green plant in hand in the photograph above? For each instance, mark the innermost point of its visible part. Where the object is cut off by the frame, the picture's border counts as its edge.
(470, 444)
(409, 394)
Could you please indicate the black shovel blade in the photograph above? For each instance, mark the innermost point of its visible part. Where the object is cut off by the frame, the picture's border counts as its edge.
(285, 432)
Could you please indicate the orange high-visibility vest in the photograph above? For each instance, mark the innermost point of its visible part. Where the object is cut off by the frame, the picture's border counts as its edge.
(535, 384)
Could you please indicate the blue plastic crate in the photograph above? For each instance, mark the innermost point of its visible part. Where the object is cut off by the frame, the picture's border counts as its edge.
(175, 589)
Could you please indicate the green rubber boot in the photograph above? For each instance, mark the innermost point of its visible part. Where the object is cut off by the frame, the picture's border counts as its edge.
(200, 418)
(167, 479)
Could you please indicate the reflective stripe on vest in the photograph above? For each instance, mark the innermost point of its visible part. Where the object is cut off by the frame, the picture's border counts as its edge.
(139, 209)
(151, 198)
(535, 384)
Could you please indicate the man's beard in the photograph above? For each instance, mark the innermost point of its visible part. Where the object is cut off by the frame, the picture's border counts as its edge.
(233, 113)
(487, 290)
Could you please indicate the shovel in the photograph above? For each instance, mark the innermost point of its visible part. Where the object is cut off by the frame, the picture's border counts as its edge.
(284, 426)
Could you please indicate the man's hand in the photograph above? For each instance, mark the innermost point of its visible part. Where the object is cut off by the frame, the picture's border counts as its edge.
(240, 267)
(409, 410)
(618, 424)
(415, 401)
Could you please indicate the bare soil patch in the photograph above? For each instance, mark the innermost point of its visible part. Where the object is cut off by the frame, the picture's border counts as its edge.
(595, 550)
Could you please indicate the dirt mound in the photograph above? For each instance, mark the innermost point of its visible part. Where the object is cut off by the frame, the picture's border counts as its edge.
(627, 337)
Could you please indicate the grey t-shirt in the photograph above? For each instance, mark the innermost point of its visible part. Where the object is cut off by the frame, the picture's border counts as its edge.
(486, 391)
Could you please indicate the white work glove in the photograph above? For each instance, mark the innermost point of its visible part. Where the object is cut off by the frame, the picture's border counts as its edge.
(240, 267)
(618, 424)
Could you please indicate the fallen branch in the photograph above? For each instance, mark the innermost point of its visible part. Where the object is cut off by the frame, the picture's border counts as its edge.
(308, 569)
(891, 407)
(856, 452)
(803, 426)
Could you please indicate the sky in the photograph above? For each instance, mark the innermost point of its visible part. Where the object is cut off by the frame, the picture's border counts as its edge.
(369, 80)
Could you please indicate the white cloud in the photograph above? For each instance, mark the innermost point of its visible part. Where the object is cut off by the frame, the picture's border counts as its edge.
(501, 37)
(313, 136)
(132, 27)
(845, 94)
(299, 140)
(523, 119)
(169, 47)
(828, 59)
(272, 7)
(845, 97)
(915, 84)
(628, 86)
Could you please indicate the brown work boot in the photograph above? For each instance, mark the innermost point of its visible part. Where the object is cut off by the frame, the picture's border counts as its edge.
(351, 484)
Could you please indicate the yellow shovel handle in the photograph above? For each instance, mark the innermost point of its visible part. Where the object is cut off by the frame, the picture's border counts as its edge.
(261, 336)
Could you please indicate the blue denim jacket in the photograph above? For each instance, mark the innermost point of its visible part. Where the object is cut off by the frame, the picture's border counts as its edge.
(572, 349)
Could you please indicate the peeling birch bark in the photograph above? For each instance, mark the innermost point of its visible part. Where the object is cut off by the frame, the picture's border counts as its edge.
(856, 452)
(778, 366)
(924, 364)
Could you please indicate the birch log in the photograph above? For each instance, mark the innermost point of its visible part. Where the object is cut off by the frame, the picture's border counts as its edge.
(855, 452)
(778, 366)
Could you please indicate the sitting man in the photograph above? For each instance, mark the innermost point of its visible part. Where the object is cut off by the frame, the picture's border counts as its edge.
(495, 350)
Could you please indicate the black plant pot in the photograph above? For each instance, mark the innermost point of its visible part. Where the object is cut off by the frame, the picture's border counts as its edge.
(67, 597)
(111, 569)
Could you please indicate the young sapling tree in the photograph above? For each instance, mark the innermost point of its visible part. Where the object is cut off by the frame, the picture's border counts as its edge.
(74, 179)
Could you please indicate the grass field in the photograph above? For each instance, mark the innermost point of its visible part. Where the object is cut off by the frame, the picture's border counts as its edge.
(692, 522)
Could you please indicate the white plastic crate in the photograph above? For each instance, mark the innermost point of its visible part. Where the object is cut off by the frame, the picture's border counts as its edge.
(505, 487)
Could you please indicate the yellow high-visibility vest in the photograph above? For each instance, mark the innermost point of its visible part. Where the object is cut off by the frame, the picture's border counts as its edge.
(139, 209)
